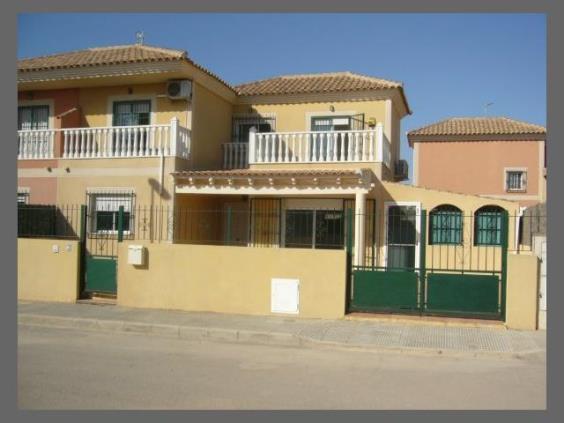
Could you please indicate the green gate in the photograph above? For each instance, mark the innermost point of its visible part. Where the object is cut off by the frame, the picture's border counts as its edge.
(101, 232)
(459, 280)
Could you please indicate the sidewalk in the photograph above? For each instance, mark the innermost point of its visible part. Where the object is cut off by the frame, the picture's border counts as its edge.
(377, 334)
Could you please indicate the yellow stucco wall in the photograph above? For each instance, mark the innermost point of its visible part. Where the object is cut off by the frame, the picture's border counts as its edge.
(47, 276)
(96, 103)
(294, 117)
(211, 128)
(522, 291)
(466, 256)
(232, 279)
(142, 175)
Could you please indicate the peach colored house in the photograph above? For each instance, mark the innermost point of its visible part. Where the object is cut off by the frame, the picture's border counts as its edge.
(494, 157)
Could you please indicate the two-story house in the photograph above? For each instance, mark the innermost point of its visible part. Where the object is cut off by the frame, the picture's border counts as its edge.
(495, 157)
(278, 162)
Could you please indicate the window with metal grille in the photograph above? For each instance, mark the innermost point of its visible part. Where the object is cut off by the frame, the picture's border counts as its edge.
(445, 225)
(105, 211)
(516, 180)
(23, 197)
(242, 126)
(487, 225)
(33, 117)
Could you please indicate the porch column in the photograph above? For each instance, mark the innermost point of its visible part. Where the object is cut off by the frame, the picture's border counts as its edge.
(359, 228)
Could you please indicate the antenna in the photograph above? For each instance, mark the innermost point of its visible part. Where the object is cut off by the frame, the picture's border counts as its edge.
(139, 37)
(486, 106)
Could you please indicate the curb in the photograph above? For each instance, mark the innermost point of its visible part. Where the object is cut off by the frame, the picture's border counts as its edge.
(200, 334)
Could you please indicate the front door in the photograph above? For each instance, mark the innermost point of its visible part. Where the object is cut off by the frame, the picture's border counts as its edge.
(401, 237)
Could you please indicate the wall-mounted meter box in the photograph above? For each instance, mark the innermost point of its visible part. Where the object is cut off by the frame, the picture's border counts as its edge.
(136, 255)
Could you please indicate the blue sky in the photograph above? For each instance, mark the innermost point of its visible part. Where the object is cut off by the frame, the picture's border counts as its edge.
(450, 64)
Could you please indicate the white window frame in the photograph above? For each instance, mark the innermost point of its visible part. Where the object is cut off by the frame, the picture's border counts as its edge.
(523, 170)
(328, 114)
(25, 192)
(93, 194)
(417, 205)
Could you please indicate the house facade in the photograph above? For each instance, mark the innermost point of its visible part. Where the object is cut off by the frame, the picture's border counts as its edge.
(496, 157)
(159, 149)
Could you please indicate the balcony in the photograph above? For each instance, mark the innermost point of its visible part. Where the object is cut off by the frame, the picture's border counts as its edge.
(360, 146)
(105, 142)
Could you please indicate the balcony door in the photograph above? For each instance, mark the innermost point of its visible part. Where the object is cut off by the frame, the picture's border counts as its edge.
(33, 118)
(320, 148)
(131, 113)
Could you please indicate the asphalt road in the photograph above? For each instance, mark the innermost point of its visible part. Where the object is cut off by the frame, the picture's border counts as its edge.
(70, 369)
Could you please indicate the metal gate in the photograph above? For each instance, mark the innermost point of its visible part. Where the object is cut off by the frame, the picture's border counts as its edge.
(101, 232)
(455, 273)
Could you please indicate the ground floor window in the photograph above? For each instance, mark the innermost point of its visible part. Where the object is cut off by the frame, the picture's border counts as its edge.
(445, 225)
(314, 229)
(104, 212)
(23, 195)
(487, 225)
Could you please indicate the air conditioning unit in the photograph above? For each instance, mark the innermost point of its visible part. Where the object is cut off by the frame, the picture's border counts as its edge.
(401, 171)
(180, 89)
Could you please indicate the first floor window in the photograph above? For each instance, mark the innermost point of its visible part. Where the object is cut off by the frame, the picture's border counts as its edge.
(105, 212)
(33, 117)
(242, 126)
(515, 180)
(132, 113)
(487, 225)
(445, 225)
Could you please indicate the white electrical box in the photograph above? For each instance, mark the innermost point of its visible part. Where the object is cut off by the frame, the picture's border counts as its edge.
(285, 296)
(136, 255)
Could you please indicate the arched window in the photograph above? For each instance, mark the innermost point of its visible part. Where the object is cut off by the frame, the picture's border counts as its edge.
(445, 225)
(487, 225)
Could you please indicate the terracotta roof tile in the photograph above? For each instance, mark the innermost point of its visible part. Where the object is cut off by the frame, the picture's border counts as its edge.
(477, 126)
(100, 56)
(112, 55)
(314, 83)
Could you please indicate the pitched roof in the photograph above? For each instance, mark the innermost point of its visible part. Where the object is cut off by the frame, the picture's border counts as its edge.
(134, 53)
(314, 83)
(477, 126)
(111, 55)
(317, 83)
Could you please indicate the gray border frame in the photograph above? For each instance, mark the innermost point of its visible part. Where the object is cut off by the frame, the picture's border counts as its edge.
(555, 125)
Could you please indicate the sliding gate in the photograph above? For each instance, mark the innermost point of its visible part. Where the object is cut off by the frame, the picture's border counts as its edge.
(452, 266)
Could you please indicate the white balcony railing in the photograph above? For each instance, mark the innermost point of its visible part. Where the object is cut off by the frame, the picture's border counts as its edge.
(107, 142)
(36, 144)
(235, 155)
(320, 147)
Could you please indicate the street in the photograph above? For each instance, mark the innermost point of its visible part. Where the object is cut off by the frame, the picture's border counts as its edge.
(72, 369)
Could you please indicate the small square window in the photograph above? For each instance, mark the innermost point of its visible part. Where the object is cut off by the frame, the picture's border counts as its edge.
(105, 211)
(515, 180)
(23, 197)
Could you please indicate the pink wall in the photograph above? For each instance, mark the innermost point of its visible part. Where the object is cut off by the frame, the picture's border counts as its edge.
(44, 190)
(477, 167)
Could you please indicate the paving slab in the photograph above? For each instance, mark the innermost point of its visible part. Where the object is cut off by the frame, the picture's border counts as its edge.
(288, 331)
